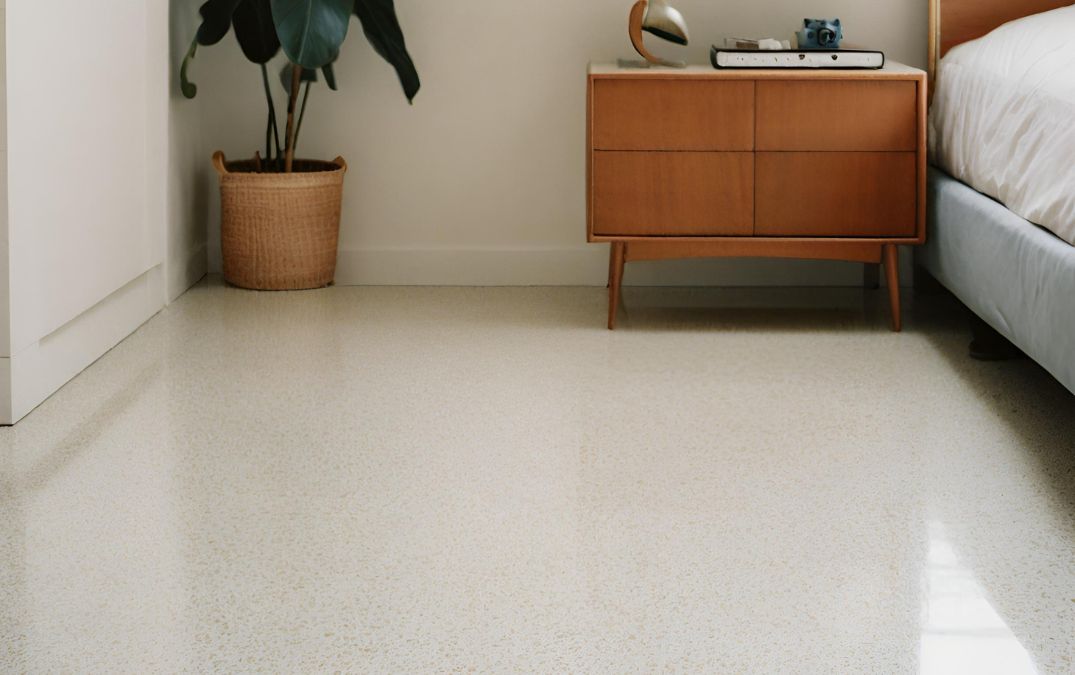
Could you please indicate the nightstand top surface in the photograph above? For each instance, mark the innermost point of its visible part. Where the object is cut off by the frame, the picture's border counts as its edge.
(892, 70)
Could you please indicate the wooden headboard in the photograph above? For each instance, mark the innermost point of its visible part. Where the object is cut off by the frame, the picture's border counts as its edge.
(953, 22)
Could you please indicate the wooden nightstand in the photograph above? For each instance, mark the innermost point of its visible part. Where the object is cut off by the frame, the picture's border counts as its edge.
(699, 162)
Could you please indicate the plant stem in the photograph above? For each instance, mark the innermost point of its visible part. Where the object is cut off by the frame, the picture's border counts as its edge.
(302, 113)
(272, 126)
(296, 84)
(268, 140)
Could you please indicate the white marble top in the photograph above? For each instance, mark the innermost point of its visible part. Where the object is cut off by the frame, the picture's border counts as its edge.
(892, 69)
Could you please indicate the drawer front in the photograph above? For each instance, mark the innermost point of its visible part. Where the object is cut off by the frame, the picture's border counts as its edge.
(834, 115)
(650, 114)
(837, 194)
(673, 193)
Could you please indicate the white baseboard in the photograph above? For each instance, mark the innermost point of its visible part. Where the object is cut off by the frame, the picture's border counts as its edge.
(38, 371)
(189, 271)
(6, 416)
(576, 266)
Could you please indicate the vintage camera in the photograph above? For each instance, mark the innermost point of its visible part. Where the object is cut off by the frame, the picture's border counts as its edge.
(820, 34)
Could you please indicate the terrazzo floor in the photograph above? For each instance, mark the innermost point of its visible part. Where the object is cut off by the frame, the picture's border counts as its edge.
(431, 480)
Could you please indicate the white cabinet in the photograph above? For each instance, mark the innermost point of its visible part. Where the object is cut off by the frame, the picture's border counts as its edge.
(87, 127)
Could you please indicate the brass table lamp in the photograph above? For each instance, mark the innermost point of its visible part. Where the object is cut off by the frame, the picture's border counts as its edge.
(659, 18)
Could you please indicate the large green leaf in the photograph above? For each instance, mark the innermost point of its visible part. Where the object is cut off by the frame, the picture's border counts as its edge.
(311, 31)
(382, 29)
(255, 30)
(330, 75)
(308, 75)
(216, 20)
(189, 89)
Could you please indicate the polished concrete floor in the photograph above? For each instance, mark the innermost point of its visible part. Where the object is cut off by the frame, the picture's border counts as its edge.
(425, 480)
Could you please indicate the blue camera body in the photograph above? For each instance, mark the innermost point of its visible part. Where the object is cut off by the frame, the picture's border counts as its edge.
(820, 34)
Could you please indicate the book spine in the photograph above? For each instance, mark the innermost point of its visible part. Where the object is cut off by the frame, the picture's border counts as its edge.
(807, 59)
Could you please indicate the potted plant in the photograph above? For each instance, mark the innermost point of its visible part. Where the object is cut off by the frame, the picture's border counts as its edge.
(281, 215)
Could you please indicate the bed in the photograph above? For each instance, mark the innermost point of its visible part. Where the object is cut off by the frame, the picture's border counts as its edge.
(1018, 276)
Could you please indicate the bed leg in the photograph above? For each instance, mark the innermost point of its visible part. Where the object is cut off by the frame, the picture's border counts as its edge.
(989, 345)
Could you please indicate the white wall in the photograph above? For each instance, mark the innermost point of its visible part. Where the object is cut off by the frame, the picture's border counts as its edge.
(188, 176)
(95, 240)
(5, 263)
(482, 181)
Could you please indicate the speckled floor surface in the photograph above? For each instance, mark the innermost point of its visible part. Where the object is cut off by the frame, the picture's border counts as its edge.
(422, 480)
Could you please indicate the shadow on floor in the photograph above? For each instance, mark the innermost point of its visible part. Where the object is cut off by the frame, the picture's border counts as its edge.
(673, 309)
(1019, 391)
(1040, 413)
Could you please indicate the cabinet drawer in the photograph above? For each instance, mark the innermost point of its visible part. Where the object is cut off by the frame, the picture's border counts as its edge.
(673, 193)
(652, 114)
(837, 194)
(824, 115)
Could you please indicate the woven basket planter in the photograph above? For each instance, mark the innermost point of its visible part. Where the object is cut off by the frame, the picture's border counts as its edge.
(279, 231)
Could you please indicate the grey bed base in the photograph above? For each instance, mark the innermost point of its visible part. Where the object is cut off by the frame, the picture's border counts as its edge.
(1016, 276)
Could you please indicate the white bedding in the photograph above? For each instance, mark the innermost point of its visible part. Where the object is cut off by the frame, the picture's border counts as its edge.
(1003, 118)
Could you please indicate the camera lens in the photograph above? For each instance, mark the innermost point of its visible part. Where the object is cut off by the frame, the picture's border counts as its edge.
(826, 36)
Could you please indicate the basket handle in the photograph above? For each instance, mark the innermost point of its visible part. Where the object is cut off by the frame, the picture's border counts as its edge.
(340, 162)
(218, 163)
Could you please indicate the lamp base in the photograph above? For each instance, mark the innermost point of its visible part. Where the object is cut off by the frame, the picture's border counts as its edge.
(641, 64)
(634, 30)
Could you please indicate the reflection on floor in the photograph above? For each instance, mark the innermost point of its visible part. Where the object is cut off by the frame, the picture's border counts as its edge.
(963, 632)
(415, 480)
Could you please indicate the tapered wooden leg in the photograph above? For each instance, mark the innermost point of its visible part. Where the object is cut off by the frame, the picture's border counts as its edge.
(611, 264)
(615, 276)
(892, 277)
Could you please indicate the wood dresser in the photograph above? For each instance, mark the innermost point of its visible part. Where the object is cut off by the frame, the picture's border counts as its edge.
(699, 162)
